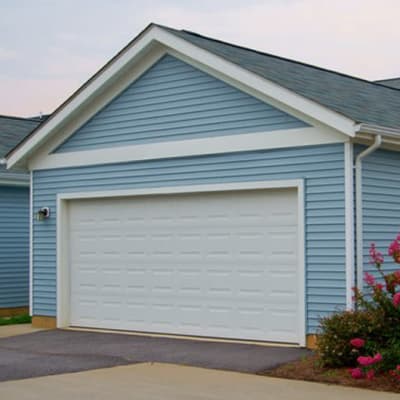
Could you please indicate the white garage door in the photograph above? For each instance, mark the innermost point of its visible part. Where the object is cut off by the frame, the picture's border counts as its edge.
(220, 264)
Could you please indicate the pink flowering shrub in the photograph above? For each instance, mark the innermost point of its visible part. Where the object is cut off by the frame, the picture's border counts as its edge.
(395, 373)
(368, 338)
(367, 365)
(382, 293)
(357, 343)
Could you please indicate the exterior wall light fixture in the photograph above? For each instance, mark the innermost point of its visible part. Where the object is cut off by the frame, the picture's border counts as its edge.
(43, 214)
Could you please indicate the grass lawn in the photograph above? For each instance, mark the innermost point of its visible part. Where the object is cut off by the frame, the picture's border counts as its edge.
(309, 369)
(18, 319)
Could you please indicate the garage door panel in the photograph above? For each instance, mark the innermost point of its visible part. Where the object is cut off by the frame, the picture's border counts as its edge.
(214, 264)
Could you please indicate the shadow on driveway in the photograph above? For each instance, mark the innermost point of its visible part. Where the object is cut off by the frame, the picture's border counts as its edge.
(60, 351)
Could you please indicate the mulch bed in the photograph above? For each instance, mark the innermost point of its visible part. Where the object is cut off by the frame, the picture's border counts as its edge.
(309, 369)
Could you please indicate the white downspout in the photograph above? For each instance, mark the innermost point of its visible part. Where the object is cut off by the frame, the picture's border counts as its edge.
(359, 209)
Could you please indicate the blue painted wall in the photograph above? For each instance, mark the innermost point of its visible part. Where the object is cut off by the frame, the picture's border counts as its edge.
(14, 246)
(173, 101)
(381, 203)
(321, 167)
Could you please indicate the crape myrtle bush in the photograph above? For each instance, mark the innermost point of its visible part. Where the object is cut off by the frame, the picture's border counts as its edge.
(368, 338)
(336, 332)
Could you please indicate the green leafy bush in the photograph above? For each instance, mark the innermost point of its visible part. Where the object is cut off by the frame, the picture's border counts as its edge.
(336, 332)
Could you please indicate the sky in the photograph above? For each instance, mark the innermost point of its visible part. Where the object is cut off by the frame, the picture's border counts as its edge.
(48, 48)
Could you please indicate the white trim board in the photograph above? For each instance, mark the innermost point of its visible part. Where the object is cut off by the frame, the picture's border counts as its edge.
(31, 245)
(349, 223)
(14, 179)
(191, 147)
(13, 182)
(63, 286)
(219, 66)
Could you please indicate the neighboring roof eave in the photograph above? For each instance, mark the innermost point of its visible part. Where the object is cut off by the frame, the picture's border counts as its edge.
(155, 33)
(12, 131)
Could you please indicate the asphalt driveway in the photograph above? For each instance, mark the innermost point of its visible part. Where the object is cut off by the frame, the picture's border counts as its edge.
(61, 351)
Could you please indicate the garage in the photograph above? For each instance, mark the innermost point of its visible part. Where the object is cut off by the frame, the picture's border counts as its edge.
(218, 264)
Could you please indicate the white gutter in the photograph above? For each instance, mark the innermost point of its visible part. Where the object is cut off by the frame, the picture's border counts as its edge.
(378, 130)
(359, 209)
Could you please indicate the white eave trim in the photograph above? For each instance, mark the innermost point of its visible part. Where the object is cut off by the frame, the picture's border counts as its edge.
(13, 179)
(193, 147)
(214, 63)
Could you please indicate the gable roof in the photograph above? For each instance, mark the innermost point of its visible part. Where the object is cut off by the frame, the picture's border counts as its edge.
(360, 100)
(338, 100)
(13, 130)
(392, 82)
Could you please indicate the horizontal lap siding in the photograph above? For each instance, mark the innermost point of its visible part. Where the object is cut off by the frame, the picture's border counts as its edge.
(322, 168)
(381, 202)
(14, 246)
(173, 101)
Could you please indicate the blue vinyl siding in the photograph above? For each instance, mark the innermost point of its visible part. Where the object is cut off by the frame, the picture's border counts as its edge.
(172, 101)
(321, 167)
(381, 202)
(14, 246)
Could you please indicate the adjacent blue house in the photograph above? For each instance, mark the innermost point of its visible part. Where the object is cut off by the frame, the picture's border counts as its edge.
(195, 187)
(14, 221)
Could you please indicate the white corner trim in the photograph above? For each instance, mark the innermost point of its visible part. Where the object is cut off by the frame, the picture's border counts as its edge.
(349, 223)
(302, 260)
(139, 48)
(192, 147)
(63, 287)
(359, 209)
(31, 245)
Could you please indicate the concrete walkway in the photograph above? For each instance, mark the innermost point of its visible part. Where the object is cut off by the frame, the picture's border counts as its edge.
(172, 382)
(16, 330)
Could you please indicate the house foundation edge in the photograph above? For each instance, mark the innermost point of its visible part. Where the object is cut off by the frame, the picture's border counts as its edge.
(13, 311)
(39, 321)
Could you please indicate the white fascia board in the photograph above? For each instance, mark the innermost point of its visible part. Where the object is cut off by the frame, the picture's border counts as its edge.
(87, 93)
(285, 96)
(193, 147)
(98, 103)
(209, 60)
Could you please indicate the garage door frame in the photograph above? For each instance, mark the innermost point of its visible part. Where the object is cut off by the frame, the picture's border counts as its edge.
(63, 273)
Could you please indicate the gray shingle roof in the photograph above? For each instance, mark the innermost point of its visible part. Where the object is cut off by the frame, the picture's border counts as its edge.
(358, 99)
(13, 130)
(393, 82)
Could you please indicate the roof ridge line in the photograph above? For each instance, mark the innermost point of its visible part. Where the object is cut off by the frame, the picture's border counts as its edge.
(285, 59)
(388, 79)
(32, 119)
